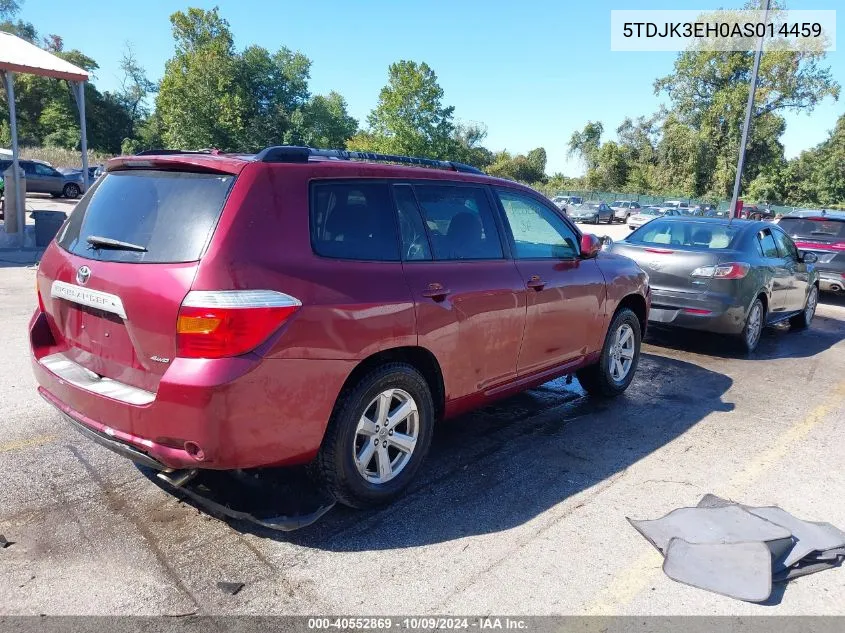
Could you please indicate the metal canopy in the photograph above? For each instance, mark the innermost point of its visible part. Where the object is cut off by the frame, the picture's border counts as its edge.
(19, 56)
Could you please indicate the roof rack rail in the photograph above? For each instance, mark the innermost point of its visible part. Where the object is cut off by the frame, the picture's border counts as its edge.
(296, 154)
(169, 152)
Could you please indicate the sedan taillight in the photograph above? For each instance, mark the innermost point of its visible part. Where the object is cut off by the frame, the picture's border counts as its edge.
(223, 323)
(729, 270)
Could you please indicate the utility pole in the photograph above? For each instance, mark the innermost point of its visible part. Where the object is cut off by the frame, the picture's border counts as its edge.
(748, 111)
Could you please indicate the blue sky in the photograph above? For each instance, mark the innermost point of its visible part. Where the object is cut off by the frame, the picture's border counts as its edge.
(533, 71)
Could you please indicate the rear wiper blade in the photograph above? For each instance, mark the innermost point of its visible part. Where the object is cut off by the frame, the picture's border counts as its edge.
(106, 242)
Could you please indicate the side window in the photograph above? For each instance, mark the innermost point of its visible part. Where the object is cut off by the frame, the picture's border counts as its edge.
(353, 221)
(767, 243)
(28, 168)
(538, 232)
(460, 222)
(635, 205)
(43, 170)
(411, 228)
(786, 246)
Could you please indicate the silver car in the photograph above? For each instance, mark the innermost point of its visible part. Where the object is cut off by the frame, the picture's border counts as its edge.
(646, 214)
(624, 209)
(42, 177)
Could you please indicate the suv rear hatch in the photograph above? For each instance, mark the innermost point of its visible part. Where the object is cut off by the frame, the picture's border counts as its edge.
(126, 258)
(823, 235)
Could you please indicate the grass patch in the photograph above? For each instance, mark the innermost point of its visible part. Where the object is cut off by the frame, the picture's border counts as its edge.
(59, 157)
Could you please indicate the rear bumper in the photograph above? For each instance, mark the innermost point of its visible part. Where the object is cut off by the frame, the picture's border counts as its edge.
(242, 412)
(831, 281)
(709, 312)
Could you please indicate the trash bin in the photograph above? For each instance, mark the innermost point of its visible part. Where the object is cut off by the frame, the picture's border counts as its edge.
(47, 224)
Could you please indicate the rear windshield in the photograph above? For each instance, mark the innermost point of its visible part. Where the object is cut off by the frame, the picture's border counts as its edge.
(170, 214)
(828, 229)
(677, 233)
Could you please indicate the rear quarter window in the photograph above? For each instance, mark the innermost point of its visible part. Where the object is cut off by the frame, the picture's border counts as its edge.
(170, 214)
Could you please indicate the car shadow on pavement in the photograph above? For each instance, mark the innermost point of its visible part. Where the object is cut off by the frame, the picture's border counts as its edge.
(506, 464)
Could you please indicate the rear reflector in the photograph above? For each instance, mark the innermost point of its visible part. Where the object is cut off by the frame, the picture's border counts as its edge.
(661, 251)
(699, 311)
(219, 324)
(728, 270)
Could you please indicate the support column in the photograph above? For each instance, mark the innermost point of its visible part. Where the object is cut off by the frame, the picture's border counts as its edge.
(79, 93)
(19, 205)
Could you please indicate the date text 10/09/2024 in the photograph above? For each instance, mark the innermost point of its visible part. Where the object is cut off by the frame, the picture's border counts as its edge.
(422, 623)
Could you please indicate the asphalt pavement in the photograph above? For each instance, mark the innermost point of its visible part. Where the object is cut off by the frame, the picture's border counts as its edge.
(520, 509)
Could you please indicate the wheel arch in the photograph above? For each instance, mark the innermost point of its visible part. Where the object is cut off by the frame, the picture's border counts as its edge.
(637, 304)
(417, 357)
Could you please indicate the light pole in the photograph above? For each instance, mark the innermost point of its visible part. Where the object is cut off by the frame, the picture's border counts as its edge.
(748, 110)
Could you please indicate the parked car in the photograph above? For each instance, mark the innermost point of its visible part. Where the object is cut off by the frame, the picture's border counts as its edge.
(675, 204)
(646, 214)
(623, 209)
(41, 177)
(755, 212)
(731, 278)
(822, 234)
(593, 211)
(93, 172)
(227, 317)
(571, 203)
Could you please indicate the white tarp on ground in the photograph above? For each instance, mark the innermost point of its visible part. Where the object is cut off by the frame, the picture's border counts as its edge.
(20, 56)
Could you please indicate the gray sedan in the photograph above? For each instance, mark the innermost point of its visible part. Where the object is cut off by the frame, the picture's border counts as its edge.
(731, 278)
(593, 212)
(44, 178)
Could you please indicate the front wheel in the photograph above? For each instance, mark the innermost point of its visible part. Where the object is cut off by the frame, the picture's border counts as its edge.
(377, 437)
(619, 358)
(802, 320)
(71, 191)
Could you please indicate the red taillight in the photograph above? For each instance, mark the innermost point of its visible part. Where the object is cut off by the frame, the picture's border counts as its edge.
(698, 311)
(729, 270)
(660, 251)
(217, 324)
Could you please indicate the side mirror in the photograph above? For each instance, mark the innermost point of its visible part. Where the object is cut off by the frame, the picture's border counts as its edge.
(808, 258)
(590, 246)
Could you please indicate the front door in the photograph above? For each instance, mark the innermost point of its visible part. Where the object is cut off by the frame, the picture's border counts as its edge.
(797, 295)
(565, 293)
(778, 269)
(469, 299)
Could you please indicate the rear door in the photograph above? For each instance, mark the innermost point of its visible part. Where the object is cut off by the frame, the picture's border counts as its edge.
(35, 182)
(114, 310)
(565, 294)
(469, 298)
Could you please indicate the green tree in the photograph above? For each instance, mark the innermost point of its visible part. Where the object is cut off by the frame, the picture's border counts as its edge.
(585, 143)
(9, 9)
(530, 168)
(410, 117)
(325, 122)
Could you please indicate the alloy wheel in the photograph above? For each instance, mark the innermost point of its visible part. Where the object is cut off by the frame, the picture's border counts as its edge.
(386, 436)
(622, 352)
(755, 325)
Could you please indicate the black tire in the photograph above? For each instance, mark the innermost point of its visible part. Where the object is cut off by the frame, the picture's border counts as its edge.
(71, 191)
(746, 342)
(625, 219)
(597, 379)
(802, 320)
(334, 468)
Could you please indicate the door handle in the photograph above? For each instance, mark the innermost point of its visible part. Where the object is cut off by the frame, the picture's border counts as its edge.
(536, 283)
(436, 291)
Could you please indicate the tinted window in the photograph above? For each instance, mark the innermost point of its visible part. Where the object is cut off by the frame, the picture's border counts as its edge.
(411, 228)
(680, 233)
(816, 228)
(43, 170)
(353, 221)
(538, 232)
(785, 246)
(460, 222)
(767, 244)
(171, 214)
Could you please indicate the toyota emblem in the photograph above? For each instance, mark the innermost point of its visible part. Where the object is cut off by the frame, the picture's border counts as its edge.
(83, 275)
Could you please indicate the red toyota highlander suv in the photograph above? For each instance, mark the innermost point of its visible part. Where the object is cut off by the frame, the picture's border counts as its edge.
(201, 310)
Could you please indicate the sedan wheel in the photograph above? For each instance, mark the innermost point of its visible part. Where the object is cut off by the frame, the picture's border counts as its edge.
(750, 336)
(71, 191)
